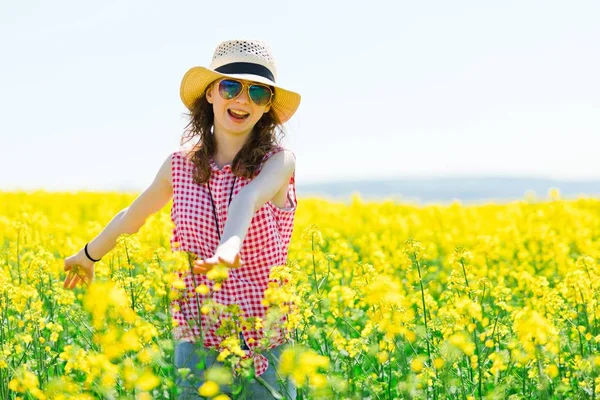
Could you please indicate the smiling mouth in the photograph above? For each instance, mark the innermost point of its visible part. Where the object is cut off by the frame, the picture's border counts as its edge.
(239, 115)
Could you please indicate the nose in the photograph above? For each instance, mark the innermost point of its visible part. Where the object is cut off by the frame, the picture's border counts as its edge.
(243, 97)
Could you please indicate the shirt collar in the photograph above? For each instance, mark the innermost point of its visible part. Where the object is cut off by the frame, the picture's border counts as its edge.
(214, 167)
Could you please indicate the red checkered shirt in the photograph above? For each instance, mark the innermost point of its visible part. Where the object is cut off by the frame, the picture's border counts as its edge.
(265, 245)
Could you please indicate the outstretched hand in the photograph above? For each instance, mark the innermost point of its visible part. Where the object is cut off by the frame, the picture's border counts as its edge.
(230, 258)
(79, 269)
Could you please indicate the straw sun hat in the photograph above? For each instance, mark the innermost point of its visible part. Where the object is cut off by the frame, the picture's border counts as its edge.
(243, 59)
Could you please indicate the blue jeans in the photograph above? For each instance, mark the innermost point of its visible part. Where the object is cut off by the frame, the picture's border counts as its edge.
(187, 355)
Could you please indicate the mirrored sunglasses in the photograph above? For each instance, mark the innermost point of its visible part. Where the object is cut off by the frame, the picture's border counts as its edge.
(229, 89)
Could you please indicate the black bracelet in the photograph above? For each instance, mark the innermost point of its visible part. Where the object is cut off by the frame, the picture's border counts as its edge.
(88, 255)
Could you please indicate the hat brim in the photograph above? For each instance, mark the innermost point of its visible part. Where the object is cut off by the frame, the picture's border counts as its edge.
(196, 80)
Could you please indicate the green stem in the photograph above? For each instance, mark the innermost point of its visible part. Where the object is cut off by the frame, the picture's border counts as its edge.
(424, 308)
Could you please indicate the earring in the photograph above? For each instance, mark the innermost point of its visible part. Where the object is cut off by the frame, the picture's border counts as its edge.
(212, 131)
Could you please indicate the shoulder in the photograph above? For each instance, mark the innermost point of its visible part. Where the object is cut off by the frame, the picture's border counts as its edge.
(279, 165)
(280, 158)
(181, 158)
(165, 171)
(184, 153)
(279, 152)
(177, 162)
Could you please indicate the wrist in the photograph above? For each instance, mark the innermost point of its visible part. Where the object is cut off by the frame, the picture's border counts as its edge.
(91, 257)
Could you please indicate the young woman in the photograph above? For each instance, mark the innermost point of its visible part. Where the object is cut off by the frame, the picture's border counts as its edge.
(234, 201)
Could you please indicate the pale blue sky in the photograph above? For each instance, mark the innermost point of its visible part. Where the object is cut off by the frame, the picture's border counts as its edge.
(89, 91)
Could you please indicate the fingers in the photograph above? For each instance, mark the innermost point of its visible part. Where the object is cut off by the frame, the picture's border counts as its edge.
(75, 281)
(73, 277)
(67, 281)
(70, 280)
(200, 271)
(237, 261)
(235, 264)
(202, 268)
(84, 280)
(67, 266)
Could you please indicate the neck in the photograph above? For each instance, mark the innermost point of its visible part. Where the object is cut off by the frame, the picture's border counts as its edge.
(227, 147)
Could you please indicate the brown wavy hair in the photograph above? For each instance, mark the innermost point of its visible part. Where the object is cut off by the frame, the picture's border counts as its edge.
(266, 134)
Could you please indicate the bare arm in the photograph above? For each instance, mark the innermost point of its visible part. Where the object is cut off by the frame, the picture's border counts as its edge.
(275, 173)
(132, 218)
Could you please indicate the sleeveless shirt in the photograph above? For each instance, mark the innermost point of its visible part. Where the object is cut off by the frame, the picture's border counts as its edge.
(265, 245)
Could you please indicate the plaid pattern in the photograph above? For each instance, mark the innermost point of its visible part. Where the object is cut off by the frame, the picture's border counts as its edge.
(265, 245)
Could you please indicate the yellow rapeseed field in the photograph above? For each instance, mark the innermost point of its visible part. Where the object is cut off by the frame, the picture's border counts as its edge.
(394, 301)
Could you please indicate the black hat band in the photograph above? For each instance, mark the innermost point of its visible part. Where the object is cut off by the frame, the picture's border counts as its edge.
(246, 68)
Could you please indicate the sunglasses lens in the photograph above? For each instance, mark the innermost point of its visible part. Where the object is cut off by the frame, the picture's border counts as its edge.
(228, 89)
(260, 94)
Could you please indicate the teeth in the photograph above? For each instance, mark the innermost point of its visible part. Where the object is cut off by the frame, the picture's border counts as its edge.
(240, 113)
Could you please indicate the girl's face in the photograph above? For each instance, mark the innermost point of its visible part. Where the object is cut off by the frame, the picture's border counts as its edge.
(225, 120)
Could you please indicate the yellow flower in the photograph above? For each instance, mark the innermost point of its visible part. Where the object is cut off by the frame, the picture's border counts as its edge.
(14, 385)
(147, 381)
(218, 273)
(416, 365)
(202, 289)
(499, 362)
(219, 374)
(223, 355)
(303, 365)
(520, 280)
(554, 193)
(552, 370)
(178, 284)
(410, 336)
(382, 356)
(382, 289)
(462, 341)
(209, 389)
(533, 329)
